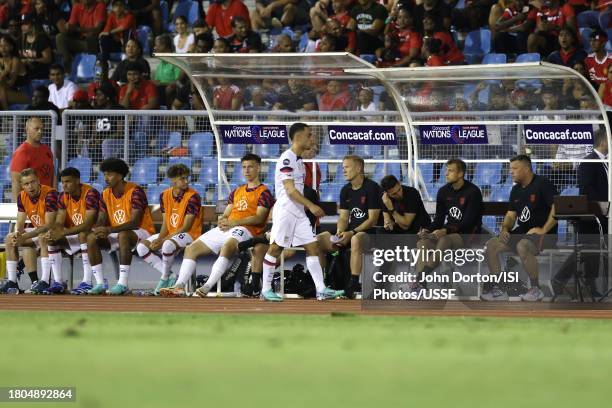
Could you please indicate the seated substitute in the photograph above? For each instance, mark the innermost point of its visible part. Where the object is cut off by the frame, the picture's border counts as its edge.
(181, 208)
(531, 209)
(124, 219)
(77, 212)
(359, 211)
(38, 204)
(244, 218)
(404, 211)
(458, 218)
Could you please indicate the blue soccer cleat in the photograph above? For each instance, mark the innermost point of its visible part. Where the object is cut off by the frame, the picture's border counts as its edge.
(329, 293)
(82, 289)
(118, 290)
(38, 288)
(9, 288)
(56, 288)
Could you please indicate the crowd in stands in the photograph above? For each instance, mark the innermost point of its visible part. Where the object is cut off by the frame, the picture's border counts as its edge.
(44, 41)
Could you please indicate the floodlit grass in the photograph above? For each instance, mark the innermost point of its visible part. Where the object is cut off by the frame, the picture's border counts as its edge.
(214, 360)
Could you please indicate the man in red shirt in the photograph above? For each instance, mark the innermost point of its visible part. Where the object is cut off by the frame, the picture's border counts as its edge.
(118, 26)
(598, 62)
(138, 93)
(85, 23)
(32, 154)
(220, 16)
(548, 21)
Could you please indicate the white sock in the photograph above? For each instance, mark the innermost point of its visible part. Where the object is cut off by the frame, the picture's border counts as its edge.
(11, 270)
(124, 271)
(86, 265)
(97, 273)
(269, 265)
(187, 269)
(46, 269)
(168, 251)
(154, 261)
(314, 268)
(217, 271)
(55, 258)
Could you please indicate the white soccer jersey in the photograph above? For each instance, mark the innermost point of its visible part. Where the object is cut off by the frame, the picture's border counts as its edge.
(289, 167)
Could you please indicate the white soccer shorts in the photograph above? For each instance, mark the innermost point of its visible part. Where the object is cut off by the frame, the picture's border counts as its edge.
(215, 238)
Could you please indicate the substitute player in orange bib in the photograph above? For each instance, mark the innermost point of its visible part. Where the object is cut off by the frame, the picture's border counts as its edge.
(124, 219)
(38, 204)
(244, 218)
(181, 208)
(78, 207)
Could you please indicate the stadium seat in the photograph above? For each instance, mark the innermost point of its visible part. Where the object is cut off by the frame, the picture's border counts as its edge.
(83, 68)
(426, 170)
(368, 151)
(201, 144)
(266, 150)
(371, 58)
(144, 171)
(604, 20)
(339, 177)
(442, 176)
(323, 167)
(236, 172)
(208, 175)
(609, 43)
(174, 140)
(5, 174)
(201, 189)
(165, 14)
(570, 191)
(144, 35)
(4, 229)
(477, 44)
(234, 150)
(329, 192)
(529, 57)
(334, 151)
(500, 193)
(490, 223)
(494, 59)
(154, 191)
(585, 33)
(187, 9)
(98, 186)
(182, 160)
(83, 164)
(112, 148)
(487, 174)
(588, 19)
(383, 169)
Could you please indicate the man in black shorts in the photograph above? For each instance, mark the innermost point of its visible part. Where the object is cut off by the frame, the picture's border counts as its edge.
(458, 218)
(404, 211)
(358, 215)
(531, 208)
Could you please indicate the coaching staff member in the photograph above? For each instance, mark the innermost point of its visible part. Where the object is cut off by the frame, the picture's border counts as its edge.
(404, 211)
(531, 208)
(458, 216)
(32, 154)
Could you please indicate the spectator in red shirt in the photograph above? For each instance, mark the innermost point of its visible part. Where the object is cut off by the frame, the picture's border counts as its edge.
(227, 96)
(449, 51)
(509, 36)
(345, 39)
(432, 54)
(389, 55)
(32, 154)
(605, 91)
(548, 21)
(116, 31)
(86, 21)
(568, 55)
(319, 14)
(244, 40)
(598, 62)
(410, 42)
(335, 98)
(138, 93)
(220, 14)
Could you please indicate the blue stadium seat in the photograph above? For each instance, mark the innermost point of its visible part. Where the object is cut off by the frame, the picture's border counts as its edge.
(6, 160)
(234, 150)
(529, 57)
(371, 58)
(426, 170)
(236, 173)
(588, 18)
(585, 33)
(144, 35)
(98, 186)
(266, 150)
(112, 148)
(460, 4)
(339, 177)
(201, 189)
(187, 161)
(83, 68)
(500, 193)
(490, 223)
(493, 58)
(442, 177)
(323, 167)
(144, 171)
(334, 151)
(604, 20)
(609, 43)
(368, 151)
(487, 174)
(5, 174)
(187, 9)
(477, 44)
(165, 14)
(174, 140)
(83, 165)
(391, 168)
(201, 144)
(570, 191)
(208, 174)
(330, 192)
(4, 229)
(303, 43)
(154, 191)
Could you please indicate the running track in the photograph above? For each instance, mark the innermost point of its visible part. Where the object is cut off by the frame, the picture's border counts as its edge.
(242, 305)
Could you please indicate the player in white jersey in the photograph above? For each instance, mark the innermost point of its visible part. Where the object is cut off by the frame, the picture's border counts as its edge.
(290, 225)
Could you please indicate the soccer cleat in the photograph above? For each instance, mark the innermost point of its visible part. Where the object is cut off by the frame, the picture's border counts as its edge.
(9, 288)
(495, 294)
(118, 290)
(56, 288)
(173, 292)
(329, 293)
(163, 283)
(271, 296)
(201, 292)
(534, 294)
(39, 287)
(82, 289)
(99, 289)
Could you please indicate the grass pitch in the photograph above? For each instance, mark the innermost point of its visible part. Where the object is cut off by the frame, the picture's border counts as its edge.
(214, 360)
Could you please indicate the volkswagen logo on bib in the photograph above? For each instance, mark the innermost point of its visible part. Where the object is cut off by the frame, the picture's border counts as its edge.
(119, 217)
(357, 213)
(35, 218)
(77, 219)
(455, 213)
(174, 220)
(525, 215)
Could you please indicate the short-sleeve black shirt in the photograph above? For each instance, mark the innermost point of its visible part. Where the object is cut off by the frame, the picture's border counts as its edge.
(295, 102)
(411, 203)
(532, 204)
(459, 211)
(359, 201)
